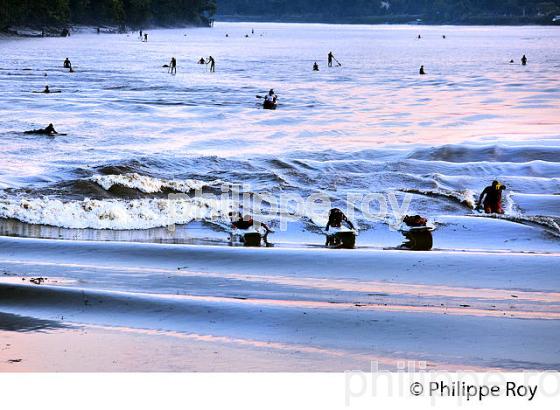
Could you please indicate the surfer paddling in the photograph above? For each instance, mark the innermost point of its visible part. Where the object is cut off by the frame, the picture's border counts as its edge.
(491, 198)
(49, 130)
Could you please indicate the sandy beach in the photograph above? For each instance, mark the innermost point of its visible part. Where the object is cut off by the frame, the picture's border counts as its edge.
(125, 307)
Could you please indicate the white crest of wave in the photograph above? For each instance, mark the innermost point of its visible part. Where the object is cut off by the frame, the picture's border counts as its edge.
(114, 214)
(150, 185)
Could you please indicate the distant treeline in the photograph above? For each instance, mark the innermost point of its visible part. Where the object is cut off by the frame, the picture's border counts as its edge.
(390, 10)
(134, 13)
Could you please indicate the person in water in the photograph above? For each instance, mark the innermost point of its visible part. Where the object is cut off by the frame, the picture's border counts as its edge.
(524, 60)
(173, 66)
(49, 130)
(46, 90)
(336, 220)
(141, 35)
(212, 63)
(246, 222)
(491, 198)
(145, 37)
(330, 58)
(417, 239)
(422, 72)
(202, 61)
(67, 63)
(270, 100)
(315, 66)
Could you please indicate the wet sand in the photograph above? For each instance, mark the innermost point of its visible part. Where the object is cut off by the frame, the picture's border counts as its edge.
(170, 307)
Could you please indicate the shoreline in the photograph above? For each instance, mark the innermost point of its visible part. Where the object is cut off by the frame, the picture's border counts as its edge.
(396, 20)
(331, 310)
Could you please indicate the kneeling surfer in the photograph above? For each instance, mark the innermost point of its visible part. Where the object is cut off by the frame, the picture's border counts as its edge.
(491, 198)
(246, 222)
(336, 219)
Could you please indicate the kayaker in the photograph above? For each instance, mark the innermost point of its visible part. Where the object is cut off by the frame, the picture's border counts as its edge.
(270, 100)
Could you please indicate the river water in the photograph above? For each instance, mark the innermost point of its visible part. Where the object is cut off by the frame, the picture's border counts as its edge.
(136, 134)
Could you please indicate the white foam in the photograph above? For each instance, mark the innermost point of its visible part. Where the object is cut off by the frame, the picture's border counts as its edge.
(113, 214)
(151, 185)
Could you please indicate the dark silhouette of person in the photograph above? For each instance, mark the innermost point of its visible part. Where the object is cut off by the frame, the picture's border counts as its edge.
(491, 198)
(202, 61)
(422, 72)
(212, 63)
(98, 30)
(67, 63)
(419, 36)
(49, 130)
(330, 58)
(46, 90)
(444, 37)
(141, 35)
(145, 37)
(315, 66)
(246, 222)
(511, 61)
(524, 60)
(417, 239)
(252, 31)
(173, 66)
(336, 220)
(270, 100)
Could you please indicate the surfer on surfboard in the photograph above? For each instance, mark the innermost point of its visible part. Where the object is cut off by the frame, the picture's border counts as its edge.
(49, 130)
